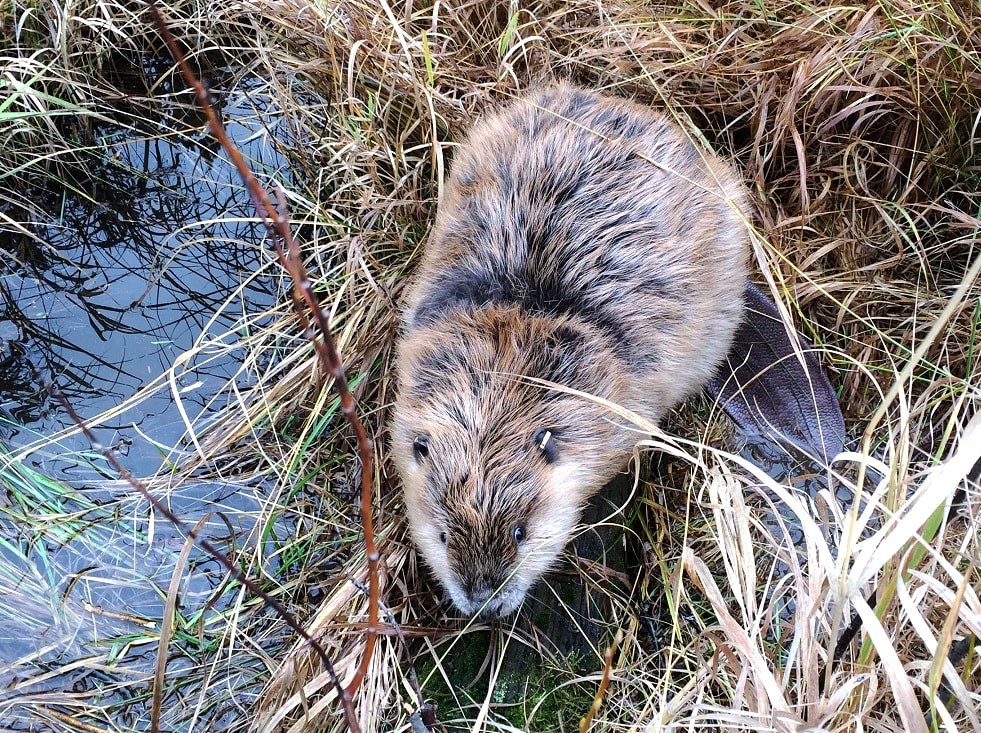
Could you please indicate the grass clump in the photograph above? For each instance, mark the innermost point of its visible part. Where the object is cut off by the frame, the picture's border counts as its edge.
(856, 129)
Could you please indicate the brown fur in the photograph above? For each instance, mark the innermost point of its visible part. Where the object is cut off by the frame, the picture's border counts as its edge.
(582, 240)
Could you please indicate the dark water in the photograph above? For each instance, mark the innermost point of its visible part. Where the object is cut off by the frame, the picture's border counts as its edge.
(105, 282)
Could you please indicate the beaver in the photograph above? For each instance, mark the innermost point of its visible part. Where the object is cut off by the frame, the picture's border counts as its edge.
(586, 253)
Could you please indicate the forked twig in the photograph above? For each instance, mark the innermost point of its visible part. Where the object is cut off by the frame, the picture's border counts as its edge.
(276, 221)
(287, 250)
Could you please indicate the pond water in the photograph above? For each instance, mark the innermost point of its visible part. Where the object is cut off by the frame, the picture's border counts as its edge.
(117, 277)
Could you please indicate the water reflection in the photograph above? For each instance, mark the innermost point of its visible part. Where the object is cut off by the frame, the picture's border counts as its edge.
(131, 269)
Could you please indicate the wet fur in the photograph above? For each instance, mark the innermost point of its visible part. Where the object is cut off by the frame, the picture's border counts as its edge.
(582, 240)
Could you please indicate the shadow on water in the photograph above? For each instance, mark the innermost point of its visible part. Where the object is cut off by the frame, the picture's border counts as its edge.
(106, 281)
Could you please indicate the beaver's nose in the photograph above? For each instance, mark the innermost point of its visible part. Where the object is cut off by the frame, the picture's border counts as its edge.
(478, 597)
(482, 596)
(487, 605)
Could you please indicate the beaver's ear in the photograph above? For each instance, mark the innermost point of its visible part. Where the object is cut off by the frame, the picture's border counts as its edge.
(768, 385)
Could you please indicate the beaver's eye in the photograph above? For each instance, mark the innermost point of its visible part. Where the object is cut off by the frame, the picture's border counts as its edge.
(420, 447)
(519, 533)
(544, 442)
(442, 536)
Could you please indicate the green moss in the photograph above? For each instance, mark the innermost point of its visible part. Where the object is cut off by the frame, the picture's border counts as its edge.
(555, 707)
(533, 700)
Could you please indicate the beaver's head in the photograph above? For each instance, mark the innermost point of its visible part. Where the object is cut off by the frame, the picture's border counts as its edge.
(497, 466)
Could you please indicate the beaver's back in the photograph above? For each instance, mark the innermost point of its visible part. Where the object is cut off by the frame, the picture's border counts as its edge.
(572, 203)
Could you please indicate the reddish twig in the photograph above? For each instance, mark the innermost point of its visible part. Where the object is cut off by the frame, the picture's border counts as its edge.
(329, 356)
(287, 250)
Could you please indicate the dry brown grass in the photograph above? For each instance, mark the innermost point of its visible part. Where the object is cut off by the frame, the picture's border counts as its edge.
(857, 128)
